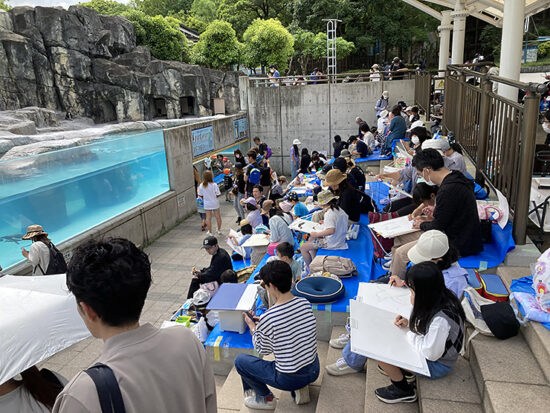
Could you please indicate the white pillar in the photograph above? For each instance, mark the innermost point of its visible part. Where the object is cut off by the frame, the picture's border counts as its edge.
(444, 39)
(459, 31)
(511, 46)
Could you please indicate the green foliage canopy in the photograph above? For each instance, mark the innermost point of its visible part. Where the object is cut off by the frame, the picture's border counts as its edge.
(161, 34)
(110, 7)
(4, 5)
(267, 42)
(218, 46)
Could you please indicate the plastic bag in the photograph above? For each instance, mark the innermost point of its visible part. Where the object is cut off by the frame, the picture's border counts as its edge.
(531, 308)
(541, 280)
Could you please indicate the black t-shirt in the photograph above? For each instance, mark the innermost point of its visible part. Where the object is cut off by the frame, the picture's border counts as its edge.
(350, 202)
(359, 178)
(396, 67)
(265, 176)
(338, 146)
(241, 184)
(362, 148)
(304, 164)
(262, 148)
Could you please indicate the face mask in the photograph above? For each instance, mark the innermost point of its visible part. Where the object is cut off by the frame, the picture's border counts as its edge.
(546, 127)
(415, 140)
(427, 180)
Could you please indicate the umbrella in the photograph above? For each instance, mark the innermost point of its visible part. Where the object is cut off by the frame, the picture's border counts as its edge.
(38, 318)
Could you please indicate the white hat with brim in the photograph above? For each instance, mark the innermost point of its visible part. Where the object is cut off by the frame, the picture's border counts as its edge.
(431, 245)
(296, 142)
(386, 94)
(416, 124)
(384, 113)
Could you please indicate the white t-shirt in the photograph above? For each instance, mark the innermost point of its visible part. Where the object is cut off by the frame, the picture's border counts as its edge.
(337, 219)
(381, 125)
(210, 196)
(39, 256)
(20, 400)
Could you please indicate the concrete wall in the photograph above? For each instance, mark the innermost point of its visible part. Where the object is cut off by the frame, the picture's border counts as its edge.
(146, 222)
(314, 113)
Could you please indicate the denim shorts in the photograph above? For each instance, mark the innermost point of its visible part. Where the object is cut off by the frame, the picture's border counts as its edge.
(437, 369)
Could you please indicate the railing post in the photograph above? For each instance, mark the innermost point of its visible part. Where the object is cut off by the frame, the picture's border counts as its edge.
(460, 98)
(483, 134)
(526, 159)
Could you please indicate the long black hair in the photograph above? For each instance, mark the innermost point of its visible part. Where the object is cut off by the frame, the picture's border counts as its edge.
(296, 150)
(430, 296)
(305, 152)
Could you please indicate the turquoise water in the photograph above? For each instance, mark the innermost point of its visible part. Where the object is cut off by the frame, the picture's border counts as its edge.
(72, 190)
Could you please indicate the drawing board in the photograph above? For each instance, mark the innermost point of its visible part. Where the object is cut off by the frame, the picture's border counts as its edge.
(393, 227)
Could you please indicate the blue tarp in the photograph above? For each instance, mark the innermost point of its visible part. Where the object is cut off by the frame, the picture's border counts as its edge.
(525, 285)
(371, 158)
(377, 191)
(494, 253)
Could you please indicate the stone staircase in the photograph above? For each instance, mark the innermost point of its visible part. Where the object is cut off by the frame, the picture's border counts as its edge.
(497, 376)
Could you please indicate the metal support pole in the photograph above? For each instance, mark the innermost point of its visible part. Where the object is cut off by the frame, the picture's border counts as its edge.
(484, 120)
(460, 99)
(527, 156)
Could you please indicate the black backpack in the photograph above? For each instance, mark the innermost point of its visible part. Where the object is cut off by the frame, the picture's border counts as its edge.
(57, 263)
(366, 202)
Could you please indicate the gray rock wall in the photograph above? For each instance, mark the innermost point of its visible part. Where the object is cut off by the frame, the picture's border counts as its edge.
(76, 60)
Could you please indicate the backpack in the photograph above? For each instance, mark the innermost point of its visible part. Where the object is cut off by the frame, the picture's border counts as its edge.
(255, 175)
(57, 263)
(382, 246)
(269, 153)
(342, 267)
(366, 202)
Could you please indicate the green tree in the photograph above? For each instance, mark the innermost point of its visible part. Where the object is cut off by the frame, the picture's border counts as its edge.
(303, 47)
(162, 7)
(319, 47)
(161, 34)
(218, 46)
(106, 6)
(490, 41)
(204, 10)
(267, 42)
(4, 5)
(241, 13)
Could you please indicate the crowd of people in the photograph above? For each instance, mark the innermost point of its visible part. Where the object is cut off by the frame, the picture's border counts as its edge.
(110, 279)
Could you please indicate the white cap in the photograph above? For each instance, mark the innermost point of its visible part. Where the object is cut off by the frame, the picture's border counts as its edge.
(296, 142)
(409, 108)
(384, 113)
(416, 124)
(431, 244)
(386, 94)
(436, 144)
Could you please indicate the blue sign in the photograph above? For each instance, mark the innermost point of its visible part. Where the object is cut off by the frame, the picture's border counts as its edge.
(203, 140)
(240, 129)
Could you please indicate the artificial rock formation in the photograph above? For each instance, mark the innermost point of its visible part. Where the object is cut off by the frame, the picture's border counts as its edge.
(88, 64)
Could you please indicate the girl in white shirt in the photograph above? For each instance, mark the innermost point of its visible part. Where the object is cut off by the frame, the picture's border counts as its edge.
(210, 192)
(333, 237)
(436, 330)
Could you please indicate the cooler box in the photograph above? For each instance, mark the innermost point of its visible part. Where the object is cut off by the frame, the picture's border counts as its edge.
(230, 301)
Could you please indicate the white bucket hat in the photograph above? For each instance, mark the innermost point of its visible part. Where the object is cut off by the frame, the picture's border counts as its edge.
(386, 94)
(431, 244)
(296, 142)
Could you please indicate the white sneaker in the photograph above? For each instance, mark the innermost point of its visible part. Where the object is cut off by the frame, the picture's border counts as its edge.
(340, 368)
(219, 232)
(268, 404)
(209, 234)
(301, 396)
(387, 265)
(339, 342)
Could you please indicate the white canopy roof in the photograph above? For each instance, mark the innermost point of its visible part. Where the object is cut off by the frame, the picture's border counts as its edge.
(491, 11)
(38, 318)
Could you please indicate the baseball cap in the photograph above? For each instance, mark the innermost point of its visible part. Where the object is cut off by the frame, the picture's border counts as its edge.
(209, 242)
(431, 244)
(251, 201)
(345, 153)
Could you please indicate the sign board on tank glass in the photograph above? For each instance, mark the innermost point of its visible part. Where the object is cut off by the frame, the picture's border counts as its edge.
(240, 129)
(203, 140)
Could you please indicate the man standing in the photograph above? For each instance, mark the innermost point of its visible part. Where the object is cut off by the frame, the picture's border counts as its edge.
(110, 280)
(262, 147)
(397, 66)
(220, 262)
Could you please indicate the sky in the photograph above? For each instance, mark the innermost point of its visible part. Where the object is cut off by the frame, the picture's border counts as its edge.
(48, 3)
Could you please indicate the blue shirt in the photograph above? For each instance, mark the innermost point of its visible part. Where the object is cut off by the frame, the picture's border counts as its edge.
(247, 250)
(300, 209)
(398, 128)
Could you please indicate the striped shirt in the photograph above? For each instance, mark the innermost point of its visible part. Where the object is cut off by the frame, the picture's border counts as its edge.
(288, 331)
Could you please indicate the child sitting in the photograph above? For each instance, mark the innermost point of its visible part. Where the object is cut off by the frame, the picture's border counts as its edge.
(277, 190)
(285, 252)
(300, 209)
(229, 277)
(246, 231)
(436, 331)
(423, 196)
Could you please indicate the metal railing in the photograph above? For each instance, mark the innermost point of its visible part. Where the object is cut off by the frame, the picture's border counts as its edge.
(427, 84)
(498, 134)
(299, 80)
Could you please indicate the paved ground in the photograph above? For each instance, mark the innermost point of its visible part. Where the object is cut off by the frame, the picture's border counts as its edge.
(172, 257)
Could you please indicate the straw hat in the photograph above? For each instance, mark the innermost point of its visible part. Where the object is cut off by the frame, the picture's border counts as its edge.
(325, 197)
(33, 231)
(334, 177)
(244, 222)
(266, 206)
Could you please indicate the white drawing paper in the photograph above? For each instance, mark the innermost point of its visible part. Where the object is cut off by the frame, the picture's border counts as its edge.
(257, 240)
(305, 226)
(393, 227)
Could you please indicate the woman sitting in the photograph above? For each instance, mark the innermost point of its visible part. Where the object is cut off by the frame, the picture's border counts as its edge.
(333, 237)
(287, 329)
(348, 198)
(253, 213)
(278, 226)
(246, 231)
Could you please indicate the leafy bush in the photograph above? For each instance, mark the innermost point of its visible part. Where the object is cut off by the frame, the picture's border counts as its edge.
(106, 6)
(544, 49)
(161, 34)
(218, 46)
(267, 42)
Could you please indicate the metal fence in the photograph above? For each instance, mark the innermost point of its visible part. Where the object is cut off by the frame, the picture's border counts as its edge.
(338, 78)
(428, 85)
(498, 134)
